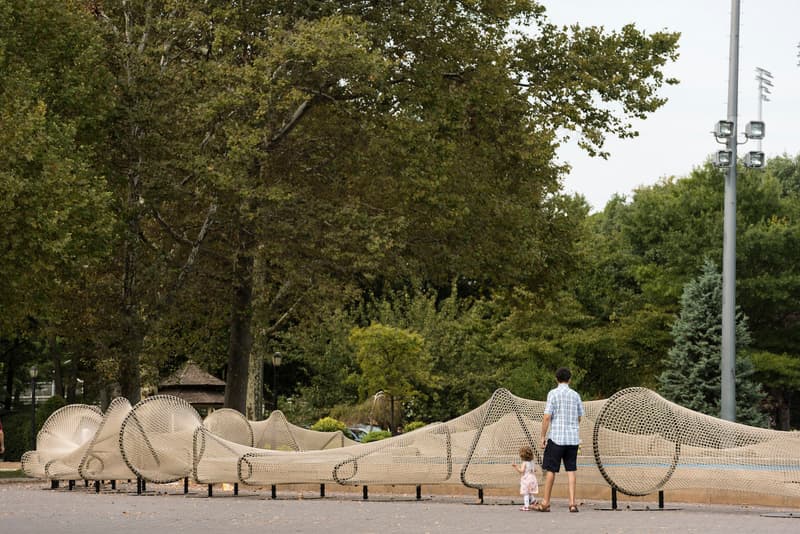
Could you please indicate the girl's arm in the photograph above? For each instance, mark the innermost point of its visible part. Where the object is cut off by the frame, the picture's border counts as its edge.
(519, 468)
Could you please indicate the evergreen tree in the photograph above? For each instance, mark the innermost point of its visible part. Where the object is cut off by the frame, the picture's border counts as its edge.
(692, 376)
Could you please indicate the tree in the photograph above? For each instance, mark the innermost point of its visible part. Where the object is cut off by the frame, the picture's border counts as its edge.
(392, 360)
(645, 249)
(162, 215)
(692, 376)
(56, 211)
(373, 150)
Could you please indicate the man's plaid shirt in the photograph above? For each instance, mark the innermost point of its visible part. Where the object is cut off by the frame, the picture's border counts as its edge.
(564, 406)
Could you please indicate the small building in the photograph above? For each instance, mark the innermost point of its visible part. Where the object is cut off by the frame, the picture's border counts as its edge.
(205, 392)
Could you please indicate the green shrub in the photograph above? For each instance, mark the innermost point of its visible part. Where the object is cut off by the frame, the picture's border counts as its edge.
(413, 425)
(376, 435)
(329, 424)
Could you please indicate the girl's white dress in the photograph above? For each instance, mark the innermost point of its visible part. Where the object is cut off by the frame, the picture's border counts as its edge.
(528, 483)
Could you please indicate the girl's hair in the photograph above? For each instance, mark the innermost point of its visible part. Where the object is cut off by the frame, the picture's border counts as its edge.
(526, 453)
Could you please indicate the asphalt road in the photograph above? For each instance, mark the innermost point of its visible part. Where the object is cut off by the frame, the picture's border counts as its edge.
(34, 508)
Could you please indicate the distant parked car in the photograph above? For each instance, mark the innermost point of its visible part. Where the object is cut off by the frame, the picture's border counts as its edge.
(359, 431)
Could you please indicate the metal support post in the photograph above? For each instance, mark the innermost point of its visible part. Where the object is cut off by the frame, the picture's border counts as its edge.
(728, 363)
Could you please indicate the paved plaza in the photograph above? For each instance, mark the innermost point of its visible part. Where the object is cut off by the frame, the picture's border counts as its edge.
(31, 507)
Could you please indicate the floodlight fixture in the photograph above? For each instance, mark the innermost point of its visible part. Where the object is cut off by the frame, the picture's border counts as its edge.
(754, 159)
(754, 130)
(723, 129)
(723, 158)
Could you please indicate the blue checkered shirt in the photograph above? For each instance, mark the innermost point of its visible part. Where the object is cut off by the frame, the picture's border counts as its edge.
(564, 406)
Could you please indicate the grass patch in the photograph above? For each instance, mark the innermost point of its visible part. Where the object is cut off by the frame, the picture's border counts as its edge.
(16, 473)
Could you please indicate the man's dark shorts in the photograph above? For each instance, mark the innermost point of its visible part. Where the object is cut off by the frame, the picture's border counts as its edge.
(554, 453)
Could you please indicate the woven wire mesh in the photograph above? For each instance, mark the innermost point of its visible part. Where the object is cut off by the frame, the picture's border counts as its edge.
(230, 425)
(644, 443)
(215, 459)
(476, 449)
(61, 442)
(274, 433)
(641, 443)
(102, 459)
(278, 434)
(156, 438)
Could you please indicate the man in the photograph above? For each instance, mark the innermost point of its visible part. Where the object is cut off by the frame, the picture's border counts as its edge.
(2, 440)
(562, 417)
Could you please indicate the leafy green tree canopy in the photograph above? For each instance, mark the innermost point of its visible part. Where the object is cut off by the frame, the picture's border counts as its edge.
(392, 360)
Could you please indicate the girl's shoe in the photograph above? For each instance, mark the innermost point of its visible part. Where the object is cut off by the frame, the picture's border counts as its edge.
(525, 509)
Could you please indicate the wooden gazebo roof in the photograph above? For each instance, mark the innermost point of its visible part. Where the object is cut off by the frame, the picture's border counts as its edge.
(195, 386)
(191, 375)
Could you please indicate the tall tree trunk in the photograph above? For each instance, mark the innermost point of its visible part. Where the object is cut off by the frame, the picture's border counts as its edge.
(255, 382)
(241, 340)
(129, 375)
(784, 410)
(255, 387)
(130, 382)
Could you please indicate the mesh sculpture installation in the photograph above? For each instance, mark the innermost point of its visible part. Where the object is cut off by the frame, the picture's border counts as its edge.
(62, 441)
(156, 438)
(643, 443)
(474, 449)
(102, 459)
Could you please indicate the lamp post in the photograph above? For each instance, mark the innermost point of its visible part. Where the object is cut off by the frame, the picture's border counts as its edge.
(726, 130)
(727, 368)
(34, 371)
(277, 358)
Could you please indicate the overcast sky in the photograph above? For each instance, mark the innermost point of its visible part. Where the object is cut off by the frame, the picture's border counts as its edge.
(677, 137)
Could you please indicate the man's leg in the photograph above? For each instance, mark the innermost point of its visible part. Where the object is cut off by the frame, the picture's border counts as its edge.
(571, 478)
(549, 478)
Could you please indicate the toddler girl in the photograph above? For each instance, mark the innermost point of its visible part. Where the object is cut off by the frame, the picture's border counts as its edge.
(528, 484)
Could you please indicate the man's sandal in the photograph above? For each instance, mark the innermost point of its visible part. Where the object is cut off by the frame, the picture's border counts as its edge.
(573, 508)
(539, 507)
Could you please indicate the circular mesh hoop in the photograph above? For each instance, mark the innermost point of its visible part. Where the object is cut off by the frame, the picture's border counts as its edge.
(156, 438)
(636, 441)
(231, 425)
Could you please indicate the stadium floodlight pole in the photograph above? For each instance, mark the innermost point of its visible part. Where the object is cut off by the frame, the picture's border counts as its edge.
(764, 78)
(728, 363)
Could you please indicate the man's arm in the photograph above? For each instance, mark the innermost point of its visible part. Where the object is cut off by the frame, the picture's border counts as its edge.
(545, 428)
(2, 442)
